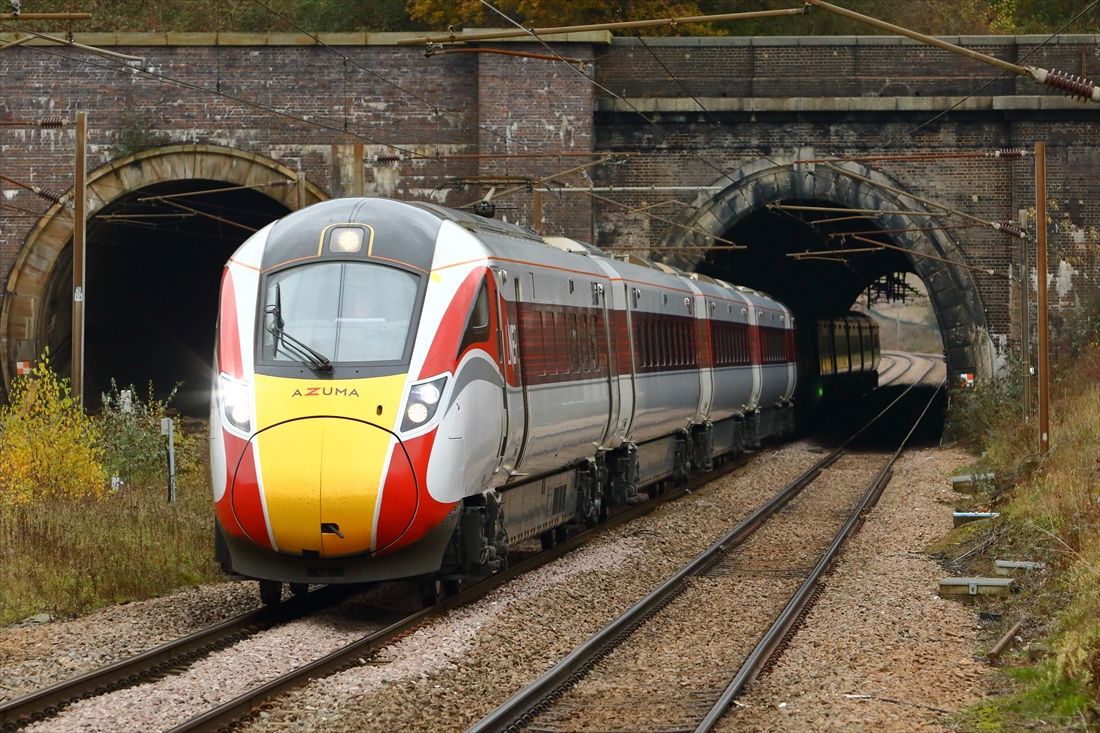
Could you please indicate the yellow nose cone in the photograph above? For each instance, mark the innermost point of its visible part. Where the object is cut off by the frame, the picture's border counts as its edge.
(323, 455)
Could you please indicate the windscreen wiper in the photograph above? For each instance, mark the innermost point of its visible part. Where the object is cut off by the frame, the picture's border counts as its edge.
(295, 348)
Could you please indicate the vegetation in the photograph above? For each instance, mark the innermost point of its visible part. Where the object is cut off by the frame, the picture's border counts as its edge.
(931, 16)
(84, 518)
(1050, 509)
(48, 447)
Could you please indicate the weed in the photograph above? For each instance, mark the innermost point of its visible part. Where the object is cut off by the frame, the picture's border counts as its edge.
(1051, 512)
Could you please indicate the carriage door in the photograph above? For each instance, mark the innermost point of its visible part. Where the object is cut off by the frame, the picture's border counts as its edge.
(508, 320)
(603, 349)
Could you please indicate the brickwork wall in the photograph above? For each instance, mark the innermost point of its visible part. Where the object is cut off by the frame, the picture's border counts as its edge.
(492, 104)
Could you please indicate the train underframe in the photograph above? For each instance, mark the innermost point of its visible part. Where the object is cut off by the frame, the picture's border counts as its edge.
(580, 496)
(475, 538)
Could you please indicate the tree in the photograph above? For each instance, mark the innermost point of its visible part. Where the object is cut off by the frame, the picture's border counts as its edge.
(545, 13)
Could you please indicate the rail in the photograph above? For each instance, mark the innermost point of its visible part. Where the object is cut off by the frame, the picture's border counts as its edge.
(523, 706)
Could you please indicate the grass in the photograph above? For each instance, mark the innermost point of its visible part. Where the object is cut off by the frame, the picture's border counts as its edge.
(71, 556)
(1041, 698)
(1051, 512)
(69, 542)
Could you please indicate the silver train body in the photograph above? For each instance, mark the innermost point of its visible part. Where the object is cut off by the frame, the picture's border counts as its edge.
(562, 381)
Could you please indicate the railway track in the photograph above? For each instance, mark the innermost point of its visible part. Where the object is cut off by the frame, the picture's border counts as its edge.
(177, 655)
(159, 661)
(629, 674)
(900, 367)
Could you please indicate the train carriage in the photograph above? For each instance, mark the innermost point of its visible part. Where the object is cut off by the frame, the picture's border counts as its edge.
(408, 390)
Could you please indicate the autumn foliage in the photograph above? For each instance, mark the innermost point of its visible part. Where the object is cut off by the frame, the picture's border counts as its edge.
(48, 446)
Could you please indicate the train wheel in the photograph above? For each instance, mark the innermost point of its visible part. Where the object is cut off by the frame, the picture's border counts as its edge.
(271, 592)
(299, 589)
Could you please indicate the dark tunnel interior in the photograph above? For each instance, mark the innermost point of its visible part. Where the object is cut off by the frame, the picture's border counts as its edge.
(793, 255)
(153, 275)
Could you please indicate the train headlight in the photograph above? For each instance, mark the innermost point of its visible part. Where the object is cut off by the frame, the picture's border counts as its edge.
(236, 399)
(423, 403)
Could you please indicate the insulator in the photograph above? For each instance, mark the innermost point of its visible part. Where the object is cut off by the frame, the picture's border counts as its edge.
(52, 122)
(1010, 228)
(1073, 85)
(391, 158)
(47, 194)
(1011, 153)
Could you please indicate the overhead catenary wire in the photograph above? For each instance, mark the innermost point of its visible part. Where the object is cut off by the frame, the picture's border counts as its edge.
(1001, 75)
(73, 44)
(610, 26)
(994, 225)
(1009, 229)
(601, 87)
(925, 256)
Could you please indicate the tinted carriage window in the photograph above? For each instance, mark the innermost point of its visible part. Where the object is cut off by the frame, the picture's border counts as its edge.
(477, 328)
(349, 311)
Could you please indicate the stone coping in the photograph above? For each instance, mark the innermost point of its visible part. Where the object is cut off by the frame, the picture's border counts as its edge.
(284, 39)
(597, 37)
(1076, 39)
(843, 104)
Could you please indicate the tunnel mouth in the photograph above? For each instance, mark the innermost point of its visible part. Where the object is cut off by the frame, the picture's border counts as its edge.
(824, 259)
(153, 268)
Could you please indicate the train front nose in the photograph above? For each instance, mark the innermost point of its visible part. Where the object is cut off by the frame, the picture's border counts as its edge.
(322, 480)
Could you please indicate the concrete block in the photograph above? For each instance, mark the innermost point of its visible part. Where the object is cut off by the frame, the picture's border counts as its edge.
(961, 518)
(1008, 567)
(970, 483)
(975, 586)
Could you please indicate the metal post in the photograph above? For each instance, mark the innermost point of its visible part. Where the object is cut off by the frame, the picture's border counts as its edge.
(1043, 357)
(79, 256)
(358, 185)
(166, 429)
(1025, 318)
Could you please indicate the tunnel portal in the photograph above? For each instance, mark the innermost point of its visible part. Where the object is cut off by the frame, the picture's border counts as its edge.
(154, 260)
(791, 219)
(161, 223)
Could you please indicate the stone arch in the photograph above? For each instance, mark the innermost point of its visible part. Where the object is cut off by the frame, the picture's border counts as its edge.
(21, 320)
(951, 288)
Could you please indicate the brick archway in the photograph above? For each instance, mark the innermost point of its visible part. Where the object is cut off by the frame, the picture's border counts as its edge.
(951, 289)
(22, 325)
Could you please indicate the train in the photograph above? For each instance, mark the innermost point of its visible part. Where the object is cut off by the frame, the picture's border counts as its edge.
(404, 390)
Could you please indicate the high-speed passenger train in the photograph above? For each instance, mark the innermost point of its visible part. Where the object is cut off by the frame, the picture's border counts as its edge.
(406, 390)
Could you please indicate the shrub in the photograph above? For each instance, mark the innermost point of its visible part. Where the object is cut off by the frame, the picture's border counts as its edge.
(48, 446)
(977, 417)
(133, 446)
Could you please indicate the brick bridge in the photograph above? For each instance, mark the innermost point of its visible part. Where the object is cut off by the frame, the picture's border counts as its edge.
(711, 132)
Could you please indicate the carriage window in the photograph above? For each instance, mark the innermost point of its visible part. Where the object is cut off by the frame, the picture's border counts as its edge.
(477, 328)
(354, 312)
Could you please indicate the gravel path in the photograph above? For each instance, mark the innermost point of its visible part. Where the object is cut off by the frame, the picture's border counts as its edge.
(448, 675)
(696, 643)
(34, 655)
(880, 651)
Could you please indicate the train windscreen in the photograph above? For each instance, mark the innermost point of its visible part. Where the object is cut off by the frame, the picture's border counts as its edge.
(346, 312)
